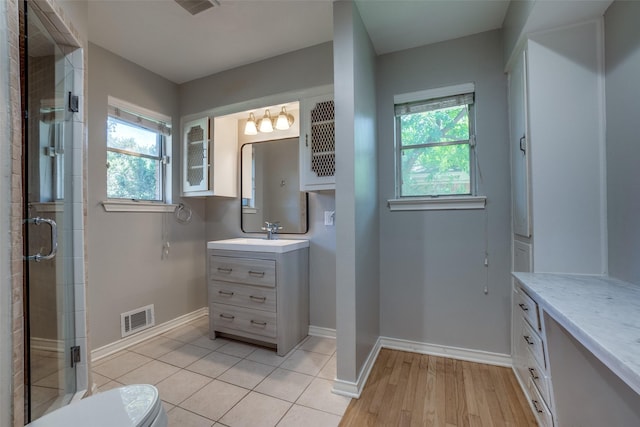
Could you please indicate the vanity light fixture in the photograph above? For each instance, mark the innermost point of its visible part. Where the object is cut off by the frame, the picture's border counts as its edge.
(284, 120)
(265, 124)
(250, 127)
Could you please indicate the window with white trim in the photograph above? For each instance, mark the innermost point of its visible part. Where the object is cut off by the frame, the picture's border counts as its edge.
(435, 143)
(137, 153)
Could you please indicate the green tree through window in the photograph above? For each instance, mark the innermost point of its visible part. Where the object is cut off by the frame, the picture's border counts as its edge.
(435, 151)
(134, 162)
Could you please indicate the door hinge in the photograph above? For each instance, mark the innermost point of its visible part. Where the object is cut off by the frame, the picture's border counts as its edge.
(75, 355)
(74, 103)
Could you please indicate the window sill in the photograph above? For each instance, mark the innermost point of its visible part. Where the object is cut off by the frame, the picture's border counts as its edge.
(136, 206)
(437, 203)
(249, 210)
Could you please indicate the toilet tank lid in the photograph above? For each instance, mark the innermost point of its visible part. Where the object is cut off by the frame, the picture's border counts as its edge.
(131, 406)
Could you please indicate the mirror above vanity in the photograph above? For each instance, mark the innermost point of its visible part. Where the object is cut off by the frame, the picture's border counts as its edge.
(271, 188)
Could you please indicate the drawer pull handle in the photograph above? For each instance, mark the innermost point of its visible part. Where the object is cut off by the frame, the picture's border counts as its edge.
(255, 322)
(256, 273)
(225, 270)
(226, 293)
(527, 338)
(535, 405)
(533, 374)
(227, 316)
(259, 299)
(523, 307)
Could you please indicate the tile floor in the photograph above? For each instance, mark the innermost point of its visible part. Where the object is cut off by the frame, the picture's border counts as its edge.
(222, 382)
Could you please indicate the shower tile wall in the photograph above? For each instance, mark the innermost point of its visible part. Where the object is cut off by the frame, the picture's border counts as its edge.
(13, 27)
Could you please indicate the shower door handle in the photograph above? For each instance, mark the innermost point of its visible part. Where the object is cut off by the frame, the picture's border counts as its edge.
(54, 239)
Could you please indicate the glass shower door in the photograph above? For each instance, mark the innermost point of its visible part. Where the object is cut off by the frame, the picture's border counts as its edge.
(48, 240)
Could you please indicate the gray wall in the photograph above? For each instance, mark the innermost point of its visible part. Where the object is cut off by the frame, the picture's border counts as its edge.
(432, 274)
(513, 24)
(357, 219)
(622, 59)
(124, 250)
(291, 72)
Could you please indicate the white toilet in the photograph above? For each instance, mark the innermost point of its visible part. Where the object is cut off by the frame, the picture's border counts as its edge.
(128, 406)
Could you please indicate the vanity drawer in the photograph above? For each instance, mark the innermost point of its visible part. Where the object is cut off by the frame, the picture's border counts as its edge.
(232, 318)
(540, 409)
(243, 295)
(534, 343)
(528, 307)
(259, 272)
(538, 376)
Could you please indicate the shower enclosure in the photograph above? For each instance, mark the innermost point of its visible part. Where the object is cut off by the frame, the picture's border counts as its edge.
(53, 237)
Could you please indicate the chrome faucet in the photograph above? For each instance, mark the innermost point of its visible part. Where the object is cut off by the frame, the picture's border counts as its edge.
(272, 229)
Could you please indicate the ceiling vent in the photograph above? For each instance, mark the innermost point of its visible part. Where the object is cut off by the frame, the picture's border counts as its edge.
(196, 6)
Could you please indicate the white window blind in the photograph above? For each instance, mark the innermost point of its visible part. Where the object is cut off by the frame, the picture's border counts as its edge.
(433, 104)
(137, 119)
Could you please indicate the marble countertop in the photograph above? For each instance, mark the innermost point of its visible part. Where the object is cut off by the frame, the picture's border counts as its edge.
(602, 313)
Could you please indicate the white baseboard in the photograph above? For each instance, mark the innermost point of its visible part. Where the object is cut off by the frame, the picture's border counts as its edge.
(131, 340)
(354, 389)
(479, 356)
(317, 331)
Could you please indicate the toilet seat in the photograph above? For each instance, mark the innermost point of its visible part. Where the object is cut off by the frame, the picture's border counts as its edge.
(128, 406)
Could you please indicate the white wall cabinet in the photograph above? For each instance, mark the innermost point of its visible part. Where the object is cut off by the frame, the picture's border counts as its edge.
(209, 158)
(556, 107)
(317, 143)
(518, 141)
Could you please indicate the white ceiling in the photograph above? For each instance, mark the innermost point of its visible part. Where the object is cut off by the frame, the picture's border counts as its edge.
(161, 36)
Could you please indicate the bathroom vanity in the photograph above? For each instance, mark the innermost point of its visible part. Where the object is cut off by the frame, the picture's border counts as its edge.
(258, 290)
(576, 348)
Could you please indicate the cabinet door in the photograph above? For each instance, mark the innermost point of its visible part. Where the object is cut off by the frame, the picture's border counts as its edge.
(317, 144)
(195, 153)
(519, 143)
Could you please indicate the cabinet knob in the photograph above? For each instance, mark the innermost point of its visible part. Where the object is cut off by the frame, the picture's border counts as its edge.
(227, 316)
(259, 299)
(523, 307)
(225, 270)
(226, 293)
(533, 373)
(527, 338)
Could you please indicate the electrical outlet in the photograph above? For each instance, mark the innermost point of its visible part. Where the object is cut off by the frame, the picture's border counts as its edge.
(328, 217)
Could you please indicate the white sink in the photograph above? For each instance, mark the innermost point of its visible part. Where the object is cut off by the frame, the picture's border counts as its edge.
(258, 245)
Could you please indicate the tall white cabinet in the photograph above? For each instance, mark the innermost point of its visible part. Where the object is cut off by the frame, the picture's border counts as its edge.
(518, 139)
(556, 105)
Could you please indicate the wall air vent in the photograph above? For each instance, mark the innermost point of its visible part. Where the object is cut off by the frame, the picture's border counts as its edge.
(196, 6)
(137, 320)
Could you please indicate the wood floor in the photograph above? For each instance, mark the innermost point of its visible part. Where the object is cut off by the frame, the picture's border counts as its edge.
(410, 389)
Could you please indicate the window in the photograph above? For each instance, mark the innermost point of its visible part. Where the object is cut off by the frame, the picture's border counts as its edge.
(435, 144)
(137, 156)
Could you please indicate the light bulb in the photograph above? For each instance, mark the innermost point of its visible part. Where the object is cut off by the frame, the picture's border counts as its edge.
(264, 124)
(250, 127)
(284, 120)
